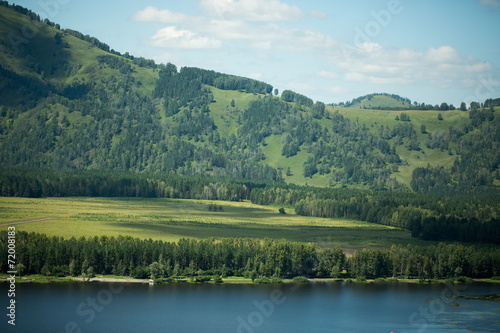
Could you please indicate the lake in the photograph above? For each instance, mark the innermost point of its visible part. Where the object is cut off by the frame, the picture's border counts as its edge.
(313, 307)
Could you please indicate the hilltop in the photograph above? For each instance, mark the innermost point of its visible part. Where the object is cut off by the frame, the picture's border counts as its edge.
(380, 101)
(68, 101)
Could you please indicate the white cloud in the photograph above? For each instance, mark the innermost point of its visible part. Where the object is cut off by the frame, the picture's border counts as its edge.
(492, 3)
(354, 76)
(250, 25)
(256, 76)
(373, 79)
(338, 90)
(328, 74)
(252, 10)
(444, 54)
(478, 67)
(441, 67)
(295, 40)
(369, 47)
(318, 14)
(153, 14)
(301, 86)
(237, 21)
(172, 37)
(230, 29)
(267, 36)
(262, 45)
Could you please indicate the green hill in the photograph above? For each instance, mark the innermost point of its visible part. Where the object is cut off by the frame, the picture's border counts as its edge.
(380, 102)
(68, 101)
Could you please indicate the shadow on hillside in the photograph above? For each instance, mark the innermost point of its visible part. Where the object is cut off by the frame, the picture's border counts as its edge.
(320, 234)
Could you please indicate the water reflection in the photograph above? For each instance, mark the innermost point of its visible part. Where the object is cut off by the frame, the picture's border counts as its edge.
(313, 307)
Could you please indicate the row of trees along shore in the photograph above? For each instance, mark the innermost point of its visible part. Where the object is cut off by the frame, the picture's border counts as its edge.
(468, 218)
(126, 256)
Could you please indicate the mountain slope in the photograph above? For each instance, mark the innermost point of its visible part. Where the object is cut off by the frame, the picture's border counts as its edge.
(69, 102)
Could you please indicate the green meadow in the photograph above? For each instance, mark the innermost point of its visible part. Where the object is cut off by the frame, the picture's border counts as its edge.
(224, 115)
(272, 150)
(173, 219)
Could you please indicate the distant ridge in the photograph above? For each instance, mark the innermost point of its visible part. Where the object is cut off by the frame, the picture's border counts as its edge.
(380, 101)
(386, 101)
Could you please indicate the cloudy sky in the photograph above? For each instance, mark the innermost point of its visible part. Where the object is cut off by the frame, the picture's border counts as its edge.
(429, 51)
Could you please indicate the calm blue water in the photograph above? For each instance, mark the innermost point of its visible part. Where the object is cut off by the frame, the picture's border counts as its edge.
(316, 307)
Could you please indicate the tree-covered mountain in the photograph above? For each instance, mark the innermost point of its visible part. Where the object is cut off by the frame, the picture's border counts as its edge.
(68, 101)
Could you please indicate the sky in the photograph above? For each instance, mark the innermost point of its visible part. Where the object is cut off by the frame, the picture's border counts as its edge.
(332, 51)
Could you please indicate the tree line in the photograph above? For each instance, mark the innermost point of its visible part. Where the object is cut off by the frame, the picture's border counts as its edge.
(293, 97)
(422, 224)
(34, 183)
(126, 256)
(226, 81)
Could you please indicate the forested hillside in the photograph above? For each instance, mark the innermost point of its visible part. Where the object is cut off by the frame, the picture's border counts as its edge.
(68, 101)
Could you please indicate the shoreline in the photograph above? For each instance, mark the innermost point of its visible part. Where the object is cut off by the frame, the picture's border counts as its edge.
(235, 280)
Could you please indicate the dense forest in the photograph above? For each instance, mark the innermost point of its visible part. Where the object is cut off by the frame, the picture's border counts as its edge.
(39, 254)
(51, 183)
(118, 125)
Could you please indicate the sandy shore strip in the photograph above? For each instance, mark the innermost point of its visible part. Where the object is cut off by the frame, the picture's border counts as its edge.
(113, 280)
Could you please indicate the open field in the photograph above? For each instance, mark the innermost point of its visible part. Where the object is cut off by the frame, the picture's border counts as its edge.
(173, 219)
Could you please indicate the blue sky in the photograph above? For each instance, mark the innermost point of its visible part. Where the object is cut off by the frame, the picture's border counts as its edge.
(332, 51)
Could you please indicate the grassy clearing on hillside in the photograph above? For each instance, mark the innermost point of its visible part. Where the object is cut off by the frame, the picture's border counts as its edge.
(272, 150)
(225, 117)
(418, 159)
(373, 119)
(173, 219)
